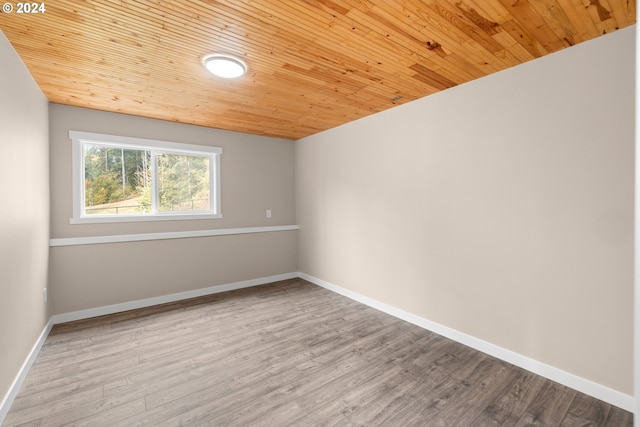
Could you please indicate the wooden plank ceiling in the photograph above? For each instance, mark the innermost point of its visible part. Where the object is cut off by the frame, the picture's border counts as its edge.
(313, 64)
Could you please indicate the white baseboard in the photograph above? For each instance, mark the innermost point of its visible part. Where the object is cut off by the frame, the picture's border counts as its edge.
(591, 388)
(6, 402)
(148, 302)
(583, 385)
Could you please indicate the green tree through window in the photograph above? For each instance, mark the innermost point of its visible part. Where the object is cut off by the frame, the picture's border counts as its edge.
(183, 183)
(125, 179)
(114, 176)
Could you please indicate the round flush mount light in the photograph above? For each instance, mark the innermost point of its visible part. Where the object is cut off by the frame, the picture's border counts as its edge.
(224, 66)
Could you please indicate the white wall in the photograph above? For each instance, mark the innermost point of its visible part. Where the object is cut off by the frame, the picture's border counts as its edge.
(256, 174)
(24, 215)
(502, 209)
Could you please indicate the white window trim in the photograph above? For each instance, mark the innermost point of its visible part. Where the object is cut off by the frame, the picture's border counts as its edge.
(77, 140)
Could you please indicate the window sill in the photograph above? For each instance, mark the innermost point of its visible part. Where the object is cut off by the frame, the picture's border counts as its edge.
(124, 218)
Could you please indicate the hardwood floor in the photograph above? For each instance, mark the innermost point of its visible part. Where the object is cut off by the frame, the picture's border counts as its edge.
(288, 353)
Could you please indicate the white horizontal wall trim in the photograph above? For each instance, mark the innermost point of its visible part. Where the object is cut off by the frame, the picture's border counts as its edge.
(6, 402)
(583, 385)
(94, 240)
(163, 299)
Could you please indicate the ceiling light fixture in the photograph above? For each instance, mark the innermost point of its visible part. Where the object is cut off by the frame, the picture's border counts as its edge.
(224, 66)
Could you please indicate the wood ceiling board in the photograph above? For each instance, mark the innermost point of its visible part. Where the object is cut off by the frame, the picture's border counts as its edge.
(313, 64)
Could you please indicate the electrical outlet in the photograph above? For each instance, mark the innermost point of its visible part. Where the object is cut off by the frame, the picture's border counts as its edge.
(268, 213)
(44, 295)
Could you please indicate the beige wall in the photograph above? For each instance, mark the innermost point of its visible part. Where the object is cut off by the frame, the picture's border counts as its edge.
(502, 208)
(256, 174)
(91, 276)
(24, 215)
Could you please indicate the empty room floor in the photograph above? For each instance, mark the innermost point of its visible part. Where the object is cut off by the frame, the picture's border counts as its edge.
(287, 353)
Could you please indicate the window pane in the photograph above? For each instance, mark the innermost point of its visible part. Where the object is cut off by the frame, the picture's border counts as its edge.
(117, 181)
(183, 183)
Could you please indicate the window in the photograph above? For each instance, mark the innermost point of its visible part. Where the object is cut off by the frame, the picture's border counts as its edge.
(117, 178)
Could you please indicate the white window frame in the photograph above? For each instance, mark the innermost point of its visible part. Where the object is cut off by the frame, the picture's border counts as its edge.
(79, 139)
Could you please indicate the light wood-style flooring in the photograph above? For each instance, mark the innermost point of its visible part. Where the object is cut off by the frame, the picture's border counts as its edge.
(288, 353)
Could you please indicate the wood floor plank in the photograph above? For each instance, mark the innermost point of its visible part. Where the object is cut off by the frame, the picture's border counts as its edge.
(287, 353)
(478, 395)
(62, 403)
(549, 407)
(321, 373)
(98, 418)
(618, 417)
(450, 394)
(507, 408)
(333, 397)
(586, 409)
(350, 396)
